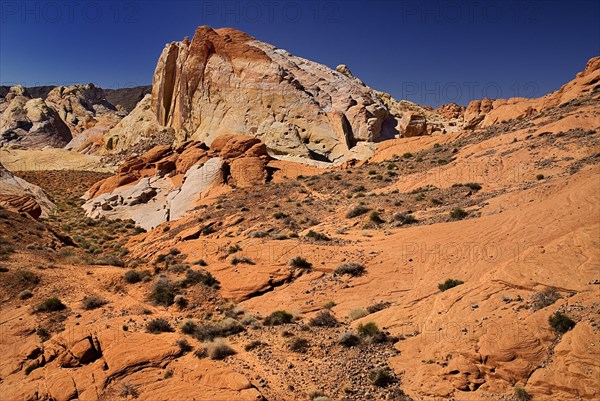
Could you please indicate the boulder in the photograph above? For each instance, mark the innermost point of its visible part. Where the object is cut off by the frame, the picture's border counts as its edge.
(412, 124)
(248, 171)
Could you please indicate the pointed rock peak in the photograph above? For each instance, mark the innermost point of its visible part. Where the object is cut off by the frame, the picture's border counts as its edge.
(343, 69)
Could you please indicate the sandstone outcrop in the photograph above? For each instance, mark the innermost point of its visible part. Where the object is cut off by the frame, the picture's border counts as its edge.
(226, 82)
(30, 122)
(486, 112)
(21, 196)
(451, 111)
(59, 119)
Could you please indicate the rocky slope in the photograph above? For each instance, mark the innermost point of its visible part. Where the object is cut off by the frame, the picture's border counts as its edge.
(226, 82)
(487, 112)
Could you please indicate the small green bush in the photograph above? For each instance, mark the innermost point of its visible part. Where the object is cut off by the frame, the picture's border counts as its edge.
(544, 298)
(521, 394)
(561, 323)
(317, 236)
(159, 325)
(223, 328)
(381, 377)
(134, 276)
(300, 263)
(356, 314)
(299, 345)
(236, 260)
(458, 214)
(219, 349)
(449, 283)
(93, 302)
(51, 305)
(403, 218)
(376, 218)
(184, 345)
(350, 268)
(348, 339)
(368, 330)
(278, 317)
(163, 293)
(357, 211)
(189, 327)
(324, 319)
(473, 185)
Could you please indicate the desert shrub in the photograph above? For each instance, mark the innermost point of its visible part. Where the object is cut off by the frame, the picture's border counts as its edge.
(257, 234)
(201, 353)
(280, 236)
(407, 155)
(375, 217)
(329, 304)
(234, 248)
(368, 330)
(236, 260)
(43, 334)
(299, 345)
(561, 323)
(300, 263)
(25, 294)
(189, 327)
(376, 307)
(254, 344)
(199, 277)
(219, 349)
(381, 377)
(458, 214)
(223, 328)
(351, 269)
(539, 177)
(92, 302)
(324, 319)
(180, 301)
(174, 251)
(405, 218)
(280, 215)
(159, 325)
(184, 345)
(134, 276)
(129, 390)
(356, 314)
(357, 211)
(108, 260)
(163, 292)
(317, 236)
(449, 283)
(544, 298)
(50, 305)
(278, 317)
(178, 268)
(473, 185)
(348, 339)
(521, 394)
(200, 262)
(26, 277)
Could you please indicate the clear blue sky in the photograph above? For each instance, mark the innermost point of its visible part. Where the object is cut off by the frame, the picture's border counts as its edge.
(430, 52)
